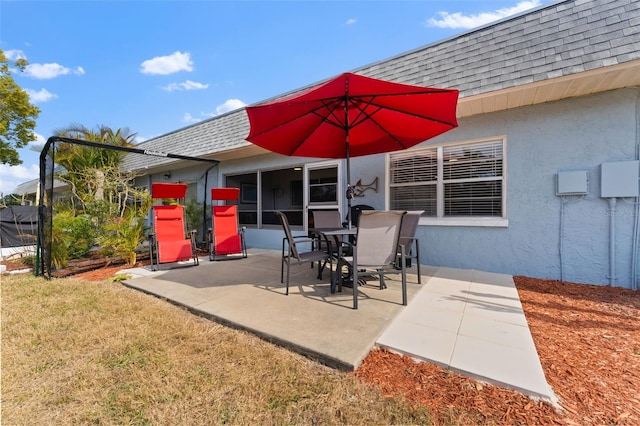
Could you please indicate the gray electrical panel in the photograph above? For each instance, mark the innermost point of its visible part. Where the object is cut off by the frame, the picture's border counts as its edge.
(619, 179)
(572, 182)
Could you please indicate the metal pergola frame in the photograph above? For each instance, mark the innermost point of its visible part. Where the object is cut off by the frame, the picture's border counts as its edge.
(45, 212)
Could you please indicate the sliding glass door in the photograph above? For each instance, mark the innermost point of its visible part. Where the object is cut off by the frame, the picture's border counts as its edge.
(295, 191)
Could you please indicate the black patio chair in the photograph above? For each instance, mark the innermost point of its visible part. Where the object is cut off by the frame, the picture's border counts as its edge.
(294, 254)
(355, 214)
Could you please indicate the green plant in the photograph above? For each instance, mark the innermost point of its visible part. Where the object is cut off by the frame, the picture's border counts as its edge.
(29, 260)
(59, 250)
(78, 234)
(193, 213)
(122, 236)
(120, 277)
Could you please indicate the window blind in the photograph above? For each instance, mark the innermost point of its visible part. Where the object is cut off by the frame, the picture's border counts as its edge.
(452, 180)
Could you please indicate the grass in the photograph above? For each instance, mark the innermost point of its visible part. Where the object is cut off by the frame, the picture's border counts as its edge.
(76, 352)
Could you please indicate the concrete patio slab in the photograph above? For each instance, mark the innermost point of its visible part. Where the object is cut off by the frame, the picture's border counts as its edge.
(468, 321)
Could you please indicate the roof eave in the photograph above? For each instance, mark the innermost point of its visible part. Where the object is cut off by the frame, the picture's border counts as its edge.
(553, 89)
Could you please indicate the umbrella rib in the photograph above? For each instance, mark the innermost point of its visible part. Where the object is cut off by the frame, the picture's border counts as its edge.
(326, 105)
(370, 117)
(338, 102)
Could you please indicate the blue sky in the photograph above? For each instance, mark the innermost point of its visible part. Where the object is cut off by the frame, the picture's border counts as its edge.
(157, 66)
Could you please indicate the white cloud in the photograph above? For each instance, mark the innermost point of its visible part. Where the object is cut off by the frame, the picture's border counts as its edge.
(350, 21)
(14, 54)
(164, 65)
(457, 20)
(38, 144)
(48, 71)
(188, 118)
(187, 85)
(229, 105)
(12, 176)
(40, 96)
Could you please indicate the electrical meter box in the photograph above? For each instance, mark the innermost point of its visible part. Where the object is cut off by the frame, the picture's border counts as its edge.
(619, 179)
(572, 183)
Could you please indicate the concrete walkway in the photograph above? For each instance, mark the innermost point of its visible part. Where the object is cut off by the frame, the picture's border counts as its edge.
(471, 322)
(468, 321)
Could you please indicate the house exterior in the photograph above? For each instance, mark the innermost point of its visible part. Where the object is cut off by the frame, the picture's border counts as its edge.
(539, 179)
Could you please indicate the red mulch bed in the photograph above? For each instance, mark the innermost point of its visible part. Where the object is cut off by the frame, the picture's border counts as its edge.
(588, 340)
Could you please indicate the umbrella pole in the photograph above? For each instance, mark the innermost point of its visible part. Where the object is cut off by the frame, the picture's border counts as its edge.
(349, 192)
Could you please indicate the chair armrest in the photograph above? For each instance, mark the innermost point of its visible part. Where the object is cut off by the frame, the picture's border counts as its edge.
(345, 244)
(302, 239)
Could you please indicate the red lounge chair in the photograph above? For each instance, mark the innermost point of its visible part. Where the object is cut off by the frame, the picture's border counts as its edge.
(226, 236)
(168, 243)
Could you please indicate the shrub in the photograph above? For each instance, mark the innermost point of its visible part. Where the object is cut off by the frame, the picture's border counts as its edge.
(29, 260)
(193, 215)
(121, 236)
(76, 233)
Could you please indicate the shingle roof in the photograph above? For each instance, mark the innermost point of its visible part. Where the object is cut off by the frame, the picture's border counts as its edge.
(555, 40)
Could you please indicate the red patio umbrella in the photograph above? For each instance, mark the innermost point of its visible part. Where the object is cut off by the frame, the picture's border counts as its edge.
(352, 115)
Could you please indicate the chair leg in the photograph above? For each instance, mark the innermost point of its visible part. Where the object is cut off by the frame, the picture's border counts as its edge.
(418, 261)
(194, 249)
(404, 278)
(282, 264)
(354, 285)
(210, 244)
(288, 274)
(313, 247)
(155, 257)
(336, 278)
(151, 253)
(244, 246)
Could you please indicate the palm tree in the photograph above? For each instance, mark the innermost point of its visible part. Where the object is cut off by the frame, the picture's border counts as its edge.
(92, 173)
(105, 193)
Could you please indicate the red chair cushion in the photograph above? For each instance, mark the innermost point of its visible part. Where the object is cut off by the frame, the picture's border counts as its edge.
(174, 251)
(225, 230)
(170, 234)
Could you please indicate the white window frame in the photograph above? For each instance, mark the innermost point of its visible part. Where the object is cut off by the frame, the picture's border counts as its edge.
(440, 219)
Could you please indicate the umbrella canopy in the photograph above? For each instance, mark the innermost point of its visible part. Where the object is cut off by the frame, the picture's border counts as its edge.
(350, 116)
